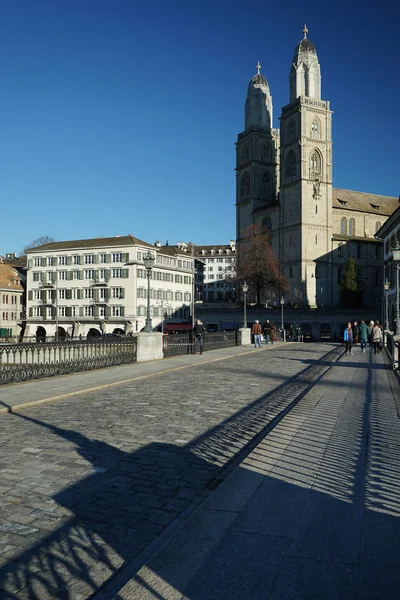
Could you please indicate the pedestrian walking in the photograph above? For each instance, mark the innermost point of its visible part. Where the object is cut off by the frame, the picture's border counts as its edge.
(269, 332)
(199, 331)
(377, 338)
(348, 338)
(356, 333)
(256, 331)
(363, 336)
(370, 327)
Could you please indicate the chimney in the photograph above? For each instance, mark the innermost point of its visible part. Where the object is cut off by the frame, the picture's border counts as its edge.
(158, 244)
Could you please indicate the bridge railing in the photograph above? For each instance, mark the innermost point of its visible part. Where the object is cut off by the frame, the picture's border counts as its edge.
(177, 344)
(21, 362)
(393, 348)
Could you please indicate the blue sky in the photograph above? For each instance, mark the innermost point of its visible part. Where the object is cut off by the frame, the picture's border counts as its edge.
(119, 116)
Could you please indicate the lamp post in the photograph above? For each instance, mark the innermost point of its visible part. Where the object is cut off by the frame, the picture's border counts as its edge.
(148, 261)
(396, 258)
(386, 287)
(245, 289)
(282, 302)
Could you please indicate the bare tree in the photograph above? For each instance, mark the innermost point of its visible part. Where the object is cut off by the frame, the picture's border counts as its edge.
(40, 241)
(257, 264)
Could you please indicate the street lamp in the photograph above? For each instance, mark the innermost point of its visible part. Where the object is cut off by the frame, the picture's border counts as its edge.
(396, 258)
(245, 289)
(386, 287)
(148, 261)
(282, 302)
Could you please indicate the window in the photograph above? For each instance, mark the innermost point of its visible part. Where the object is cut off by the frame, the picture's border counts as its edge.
(117, 257)
(89, 259)
(291, 130)
(266, 152)
(141, 293)
(62, 260)
(316, 209)
(102, 311)
(76, 259)
(220, 260)
(291, 164)
(377, 226)
(315, 129)
(62, 275)
(116, 311)
(343, 226)
(63, 311)
(89, 293)
(352, 227)
(75, 274)
(245, 185)
(187, 279)
(188, 297)
(316, 239)
(38, 261)
(62, 294)
(89, 311)
(89, 274)
(315, 162)
(266, 184)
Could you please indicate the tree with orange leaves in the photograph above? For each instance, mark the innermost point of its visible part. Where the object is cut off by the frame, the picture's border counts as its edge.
(257, 264)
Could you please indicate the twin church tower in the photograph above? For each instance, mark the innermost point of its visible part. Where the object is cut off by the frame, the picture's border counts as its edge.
(284, 176)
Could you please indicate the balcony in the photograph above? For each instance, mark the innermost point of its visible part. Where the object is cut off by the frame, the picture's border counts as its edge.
(100, 282)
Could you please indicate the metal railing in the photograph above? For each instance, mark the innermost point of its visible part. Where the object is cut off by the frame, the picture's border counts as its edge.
(393, 348)
(176, 344)
(21, 362)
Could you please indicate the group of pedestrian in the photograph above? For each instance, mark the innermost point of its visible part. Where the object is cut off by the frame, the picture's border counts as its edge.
(371, 334)
(268, 331)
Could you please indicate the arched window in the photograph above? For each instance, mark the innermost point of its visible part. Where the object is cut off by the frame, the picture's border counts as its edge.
(291, 130)
(343, 226)
(315, 161)
(352, 227)
(377, 226)
(315, 129)
(245, 185)
(339, 275)
(266, 152)
(265, 185)
(291, 164)
(245, 154)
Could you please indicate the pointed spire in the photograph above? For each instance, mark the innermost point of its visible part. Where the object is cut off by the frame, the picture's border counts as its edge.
(258, 67)
(305, 31)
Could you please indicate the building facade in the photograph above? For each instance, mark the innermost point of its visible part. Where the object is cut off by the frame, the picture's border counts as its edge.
(389, 233)
(99, 286)
(11, 302)
(219, 272)
(284, 184)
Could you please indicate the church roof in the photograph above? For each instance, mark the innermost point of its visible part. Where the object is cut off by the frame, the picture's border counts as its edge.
(364, 202)
(258, 81)
(303, 49)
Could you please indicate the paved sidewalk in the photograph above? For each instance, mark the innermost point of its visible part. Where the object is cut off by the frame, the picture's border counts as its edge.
(312, 513)
(38, 391)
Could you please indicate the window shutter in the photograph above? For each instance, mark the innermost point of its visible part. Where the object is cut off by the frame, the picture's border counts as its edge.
(96, 274)
(108, 258)
(30, 263)
(96, 311)
(44, 262)
(122, 293)
(69, 275)
(80, 274)
(96, 259)
(30, 295)
(96, 295)
(79, 294)
(122, 309)
(108, 311)
(125, 257)
(81, 311)
(107, 274)
(31, 311)
(125, 273)
(68, 311)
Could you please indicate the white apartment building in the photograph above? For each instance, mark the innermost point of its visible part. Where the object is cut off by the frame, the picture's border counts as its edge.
(99, 286)
(11, 302)
(219, 271)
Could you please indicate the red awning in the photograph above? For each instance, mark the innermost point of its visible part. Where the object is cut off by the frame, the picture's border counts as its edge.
(177, 327)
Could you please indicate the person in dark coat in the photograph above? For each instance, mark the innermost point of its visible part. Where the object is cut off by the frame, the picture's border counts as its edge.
(199, 332)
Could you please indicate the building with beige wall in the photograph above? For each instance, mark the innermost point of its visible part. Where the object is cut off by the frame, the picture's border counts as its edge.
(284, 184)
(11, 302)
(99, 286)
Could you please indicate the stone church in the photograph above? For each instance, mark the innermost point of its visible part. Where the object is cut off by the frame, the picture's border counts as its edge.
(284, 183)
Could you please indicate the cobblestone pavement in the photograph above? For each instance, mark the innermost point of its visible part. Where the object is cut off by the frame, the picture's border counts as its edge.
(87, 483)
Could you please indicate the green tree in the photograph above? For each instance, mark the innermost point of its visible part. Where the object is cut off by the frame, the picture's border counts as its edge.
(349, 285)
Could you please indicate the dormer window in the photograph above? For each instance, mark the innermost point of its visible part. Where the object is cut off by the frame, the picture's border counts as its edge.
(203, 252)
(375, 206)
(343, 202)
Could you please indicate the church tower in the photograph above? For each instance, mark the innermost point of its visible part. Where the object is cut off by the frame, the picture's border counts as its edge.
(256, 157)
(306, 182)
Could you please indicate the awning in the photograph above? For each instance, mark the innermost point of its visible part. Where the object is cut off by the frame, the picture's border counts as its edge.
(177, 327)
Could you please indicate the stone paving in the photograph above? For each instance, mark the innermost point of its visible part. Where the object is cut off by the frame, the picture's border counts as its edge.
(312, 513)
(88, 482)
